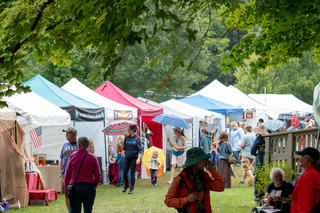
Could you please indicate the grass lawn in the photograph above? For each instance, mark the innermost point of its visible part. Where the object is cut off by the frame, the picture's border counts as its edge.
(147, 199)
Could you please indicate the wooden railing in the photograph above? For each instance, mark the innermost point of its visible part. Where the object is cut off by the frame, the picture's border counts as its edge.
(282, 146)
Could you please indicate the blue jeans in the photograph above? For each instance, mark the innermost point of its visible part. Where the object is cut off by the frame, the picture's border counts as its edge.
(153, 173)
(236, 156)
(120, 180)
(217, 162)
(83, 194)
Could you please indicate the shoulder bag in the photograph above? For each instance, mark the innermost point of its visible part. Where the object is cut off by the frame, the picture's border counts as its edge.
(231, 159)
(70, 187)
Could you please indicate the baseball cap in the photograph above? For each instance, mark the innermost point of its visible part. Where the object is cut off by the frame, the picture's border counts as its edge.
(311, 152)
(177, 129)
(70, 129)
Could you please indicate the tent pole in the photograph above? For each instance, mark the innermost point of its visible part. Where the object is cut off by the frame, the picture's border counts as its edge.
(106, 155)
(140, 126)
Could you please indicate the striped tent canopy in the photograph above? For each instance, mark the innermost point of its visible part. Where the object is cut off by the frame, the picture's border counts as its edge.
(117, 128)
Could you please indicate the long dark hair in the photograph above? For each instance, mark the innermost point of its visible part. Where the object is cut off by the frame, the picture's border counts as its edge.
(223, 137)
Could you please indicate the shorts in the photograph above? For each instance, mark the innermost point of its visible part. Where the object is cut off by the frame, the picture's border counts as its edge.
(61, 180)
(246, 163)
(178, 160)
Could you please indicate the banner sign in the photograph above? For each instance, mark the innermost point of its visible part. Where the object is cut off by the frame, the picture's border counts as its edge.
(122, 114)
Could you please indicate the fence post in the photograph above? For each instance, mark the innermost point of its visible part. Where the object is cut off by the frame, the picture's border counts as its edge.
(289, 150)
(267, 151)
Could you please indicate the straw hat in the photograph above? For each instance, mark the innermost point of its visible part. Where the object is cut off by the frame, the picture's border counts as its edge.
(260, 130)
(194, 156)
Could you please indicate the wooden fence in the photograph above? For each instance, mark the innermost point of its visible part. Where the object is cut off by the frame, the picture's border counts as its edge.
(282, 146)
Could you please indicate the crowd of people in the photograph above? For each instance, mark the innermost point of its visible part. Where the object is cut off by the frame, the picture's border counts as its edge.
(189, 191)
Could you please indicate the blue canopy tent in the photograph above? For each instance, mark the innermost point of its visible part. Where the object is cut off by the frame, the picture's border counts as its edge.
(212, 105)
(231, 112)
(88, 118)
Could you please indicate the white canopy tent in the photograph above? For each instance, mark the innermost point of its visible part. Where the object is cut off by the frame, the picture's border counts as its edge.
(247, 103)
(282, 103)
(33, 112)
(76, 88)
(233, 96)
(113, 110)
(197, 114)
(7, 114)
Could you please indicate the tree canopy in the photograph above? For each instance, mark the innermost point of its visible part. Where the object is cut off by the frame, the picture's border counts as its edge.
(50, 28)
(272, 31)
(287, 29)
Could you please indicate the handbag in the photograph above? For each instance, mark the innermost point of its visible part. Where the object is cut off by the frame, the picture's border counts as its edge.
(231, 159)
(70, 187)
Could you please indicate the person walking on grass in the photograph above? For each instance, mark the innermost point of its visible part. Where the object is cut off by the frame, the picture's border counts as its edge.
(247, 159)
(82, 170)
(190, 190)
(67, 149)
(133, 150)
(235, 136)
(154, 166)
(179, 144)
(225, 150)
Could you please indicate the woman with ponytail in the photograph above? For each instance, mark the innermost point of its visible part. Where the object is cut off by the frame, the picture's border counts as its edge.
(179, 144)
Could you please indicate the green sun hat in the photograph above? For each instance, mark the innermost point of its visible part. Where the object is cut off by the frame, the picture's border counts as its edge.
(194, 156)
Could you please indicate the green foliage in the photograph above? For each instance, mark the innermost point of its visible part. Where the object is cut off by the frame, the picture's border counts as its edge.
(297, 77)
(288, 28)
(263, 174)
(48, 29)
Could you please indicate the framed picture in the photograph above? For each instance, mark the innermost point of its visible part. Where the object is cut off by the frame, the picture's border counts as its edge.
(249, 115)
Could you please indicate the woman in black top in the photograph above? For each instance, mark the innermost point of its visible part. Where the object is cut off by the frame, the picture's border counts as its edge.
(279, 192)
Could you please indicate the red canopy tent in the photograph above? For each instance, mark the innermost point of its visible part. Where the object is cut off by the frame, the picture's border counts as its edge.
(146, 112)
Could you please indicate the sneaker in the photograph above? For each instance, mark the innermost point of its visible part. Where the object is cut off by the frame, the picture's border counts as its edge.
(241, 182)
(155, 184)
(170, 181)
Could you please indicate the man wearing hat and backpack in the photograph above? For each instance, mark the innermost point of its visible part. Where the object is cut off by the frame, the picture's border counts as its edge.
(306, 194)
(190, 190)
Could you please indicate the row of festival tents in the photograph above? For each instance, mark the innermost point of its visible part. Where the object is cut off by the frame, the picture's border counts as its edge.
(265, 105)
(90, 111)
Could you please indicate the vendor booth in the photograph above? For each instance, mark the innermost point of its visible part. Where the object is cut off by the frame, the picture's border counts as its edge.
(167, 129)
(113, 111)
(146, 112)
(282, 103)
(88, 118)
(18, 186)
(232, 113)
(34, 111)
(215, 122)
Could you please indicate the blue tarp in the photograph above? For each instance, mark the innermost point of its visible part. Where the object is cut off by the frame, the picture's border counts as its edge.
(78, 108)
(212, 105)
